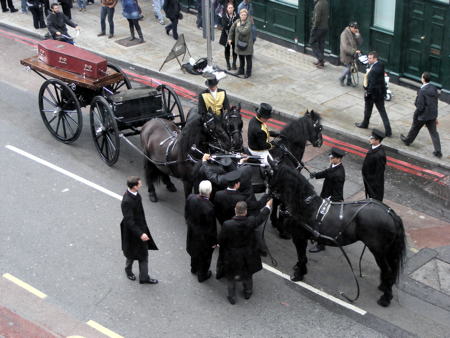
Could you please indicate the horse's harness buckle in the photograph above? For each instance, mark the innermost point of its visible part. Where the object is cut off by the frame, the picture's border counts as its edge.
(323, 210)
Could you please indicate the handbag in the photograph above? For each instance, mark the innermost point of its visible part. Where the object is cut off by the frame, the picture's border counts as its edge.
(241, 44)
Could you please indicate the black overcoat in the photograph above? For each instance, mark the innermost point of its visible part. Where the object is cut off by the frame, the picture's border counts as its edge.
(201, 222)
(373, 172)
(172, 9)
(238, 245)
(227, 21)
(133, 226)
(257, 137)
(333, 185)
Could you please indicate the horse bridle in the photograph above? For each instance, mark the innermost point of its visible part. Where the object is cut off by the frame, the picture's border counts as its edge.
(232, 114)
(211, 131)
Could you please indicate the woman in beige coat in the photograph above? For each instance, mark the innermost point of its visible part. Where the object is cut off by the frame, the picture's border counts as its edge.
(241, 36)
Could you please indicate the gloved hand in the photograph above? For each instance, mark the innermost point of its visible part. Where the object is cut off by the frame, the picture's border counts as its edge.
(312, 175)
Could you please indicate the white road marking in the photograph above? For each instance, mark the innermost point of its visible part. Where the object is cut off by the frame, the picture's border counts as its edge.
(104, 330)
(24, 285)
(117, 196)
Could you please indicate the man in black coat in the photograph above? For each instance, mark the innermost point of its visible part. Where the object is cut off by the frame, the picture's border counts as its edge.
(374, 166)
(374, 93)
(240, 255)
(319, 31)
(213, 98)
(426, 114)
(202, 230)
(56, 24)
(136, 238)
(172, 9)
(333, 185)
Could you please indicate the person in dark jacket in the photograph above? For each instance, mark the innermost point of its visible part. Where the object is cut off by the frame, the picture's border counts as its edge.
(228, 18)
(212, 98)
(173, 12)
(10, 5)
(240, 255)
(374, 93)
(319, 31)
(56, 24)
(202, 230)
(373, 167)
(333, 185)
(259, 134)
(425, 115)
(36, 8)
(136, 238)
(66, 6)
(132, 12)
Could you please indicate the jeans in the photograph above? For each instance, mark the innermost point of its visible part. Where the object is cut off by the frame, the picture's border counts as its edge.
(106, 11)
(23, 6)
(157, 6)
(347, 73)
(81, 3)
(317, 42)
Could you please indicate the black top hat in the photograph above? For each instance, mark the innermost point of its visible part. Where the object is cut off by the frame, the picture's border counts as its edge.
(264, 110)
(211, 81)
(232, 177)
(378, 134)
(336, 152)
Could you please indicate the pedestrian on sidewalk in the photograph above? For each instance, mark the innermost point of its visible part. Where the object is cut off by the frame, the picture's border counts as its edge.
(247, 4)
(201, 230)
(36, 8)
(374, 93)
(199, 18)
(135, 235)
(241, 36)
(157, 7)
(81, 5)
(130, 11)
(228, 18)
(349, 47)
(333, 184)
(425, 115)
(12, 9)
(107, 9)
(374, 166)
(319, 31)
(173, 12)
(241, 258)
(66, 6)
(56, 24)
(24, 6)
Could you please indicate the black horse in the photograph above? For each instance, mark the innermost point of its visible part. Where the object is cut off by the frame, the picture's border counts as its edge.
(167, 149)
(340, 224)
(289, 148)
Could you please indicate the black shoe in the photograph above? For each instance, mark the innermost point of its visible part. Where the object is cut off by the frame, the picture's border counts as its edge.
(240, 72)
(101, 34)
(317, 248)
(152, 196)
(132, 38)
(141, 40)
(233, 67)
(5, 10)
(149, 281)
(110, 36)
(167, 31)
(438, 154)
(13, 10)
(194, 271)
(247, 294)
(201, 279)
(388, 134)
(232, 300)
(130, 275)
(404, 140)
(361, 125)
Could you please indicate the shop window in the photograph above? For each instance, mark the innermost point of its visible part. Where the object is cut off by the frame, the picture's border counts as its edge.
(290, 2)
(384, 14)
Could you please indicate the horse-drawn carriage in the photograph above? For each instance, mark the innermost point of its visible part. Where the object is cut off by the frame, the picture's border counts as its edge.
(77, 79)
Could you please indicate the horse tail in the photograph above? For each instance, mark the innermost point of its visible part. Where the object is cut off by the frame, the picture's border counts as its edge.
(397, 251)
(152, 174)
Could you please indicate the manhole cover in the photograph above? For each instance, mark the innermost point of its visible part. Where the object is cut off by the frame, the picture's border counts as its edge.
(127, 43)
(435, 274)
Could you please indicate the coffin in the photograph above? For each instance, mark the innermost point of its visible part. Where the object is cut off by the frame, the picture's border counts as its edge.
(71, 58)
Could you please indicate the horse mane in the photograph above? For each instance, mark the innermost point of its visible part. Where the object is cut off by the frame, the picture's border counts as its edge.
(293, 188)
(190, 134)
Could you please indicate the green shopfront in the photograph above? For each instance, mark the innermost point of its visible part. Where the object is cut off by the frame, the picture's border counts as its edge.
(411, 36)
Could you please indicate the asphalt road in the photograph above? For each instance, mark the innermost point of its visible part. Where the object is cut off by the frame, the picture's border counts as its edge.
(62, 237)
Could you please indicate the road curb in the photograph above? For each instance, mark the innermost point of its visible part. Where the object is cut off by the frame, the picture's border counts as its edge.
(283, 116)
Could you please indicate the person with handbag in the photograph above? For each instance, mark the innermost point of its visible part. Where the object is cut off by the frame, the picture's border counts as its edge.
(173, 12)
(241, 36)
(36, 8)
(132, 13)
(228, 18)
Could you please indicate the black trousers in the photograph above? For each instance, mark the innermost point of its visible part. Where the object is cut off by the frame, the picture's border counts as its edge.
(134, 23)
(242, 60)
(201, 262)
(173, 25)
(379, 103)
(67, 10)
(143, 268)
(10, 5)
(38, 17)
(106, 11)
(247, 283)
(228, 50)
(431, 126)
(317, 41)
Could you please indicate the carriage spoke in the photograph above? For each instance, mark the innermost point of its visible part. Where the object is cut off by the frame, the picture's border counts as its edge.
(57, 94)
(111, 142)
(48, 110)
(173, 106)
(54, 117)
(55, 101)
(64, 126)
(57, 126)
(70, 117)
(106, 147)
(49, 101)
(103, 143)
(119, 85)
(68, 124)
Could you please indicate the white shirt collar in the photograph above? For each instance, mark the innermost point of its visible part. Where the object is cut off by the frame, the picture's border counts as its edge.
(231, 189)
(424, 85)
(132, 192)
(213, 93)
(335, 165)
(375, 147)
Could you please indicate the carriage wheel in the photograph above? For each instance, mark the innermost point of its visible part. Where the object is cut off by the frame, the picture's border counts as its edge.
(60, 110)
(116, 87)
(104, 130)
(171, 104)
(355, 75)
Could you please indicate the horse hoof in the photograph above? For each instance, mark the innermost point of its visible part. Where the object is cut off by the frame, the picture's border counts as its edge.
(171, 188)
(381, 288)
(384, 301)
(153, 197)
(297, 278)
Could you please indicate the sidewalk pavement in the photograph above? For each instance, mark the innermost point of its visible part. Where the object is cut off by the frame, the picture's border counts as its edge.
(282, 77)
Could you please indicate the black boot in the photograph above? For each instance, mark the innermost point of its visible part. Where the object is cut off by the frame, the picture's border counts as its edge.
(240, 71)
(228, 65)
(132, 33)
(141, 37)
(234, 62)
